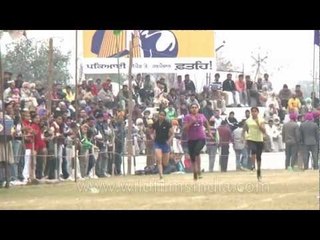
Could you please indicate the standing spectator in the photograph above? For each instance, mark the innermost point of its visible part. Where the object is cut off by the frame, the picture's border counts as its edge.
(239, 147)
(28, 170)
(8, 92)
(208, 110)
(212, 143)
(146, 116)
(6, 78)
(158, 94)
(39, 147)
(58, 128)
(19, 81)
(17, 146)
(184, 144)
(149, 143)
(119, 140)
(176, 143)
(310, 140)
(189, 84)
(315, 100)
(101, 138)
(91, 135)
(139, 137)
(123, 96)
(225, 138)
(291, 137)
(218, 118)
(5, 145)
(274, 134)
(247, 113)
(232, 121)
(84, 150)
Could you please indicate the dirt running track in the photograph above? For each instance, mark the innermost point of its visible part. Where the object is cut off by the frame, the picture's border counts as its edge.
(279, 189)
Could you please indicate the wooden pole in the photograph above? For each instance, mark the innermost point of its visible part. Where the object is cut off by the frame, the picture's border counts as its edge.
(319, 92)
(313, 71)
(117, 34)
(76, 106)
(318, 73)
(1, 78)
(129, 137)
(4, 124)
(50, 78)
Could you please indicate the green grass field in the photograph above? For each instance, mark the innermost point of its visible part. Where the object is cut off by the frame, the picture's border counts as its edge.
(279, 189)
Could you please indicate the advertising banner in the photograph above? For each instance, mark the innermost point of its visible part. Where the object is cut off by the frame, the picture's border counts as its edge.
(162, 51)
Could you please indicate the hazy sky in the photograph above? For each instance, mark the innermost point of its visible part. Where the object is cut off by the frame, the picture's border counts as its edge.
(290, 53)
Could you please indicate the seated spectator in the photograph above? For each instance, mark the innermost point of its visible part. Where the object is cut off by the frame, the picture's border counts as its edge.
(263, 97)
(285, 95)
(270, 112)
(266, 83)
(307, 107)
(252, 92)
(15, 95)
(192, 99)
(179, 85)
(208, 110)
(294, 104)
(229, 87)
(242, 90)
(299, 94)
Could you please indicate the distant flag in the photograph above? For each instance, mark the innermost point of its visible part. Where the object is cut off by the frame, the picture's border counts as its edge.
(317, 37)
